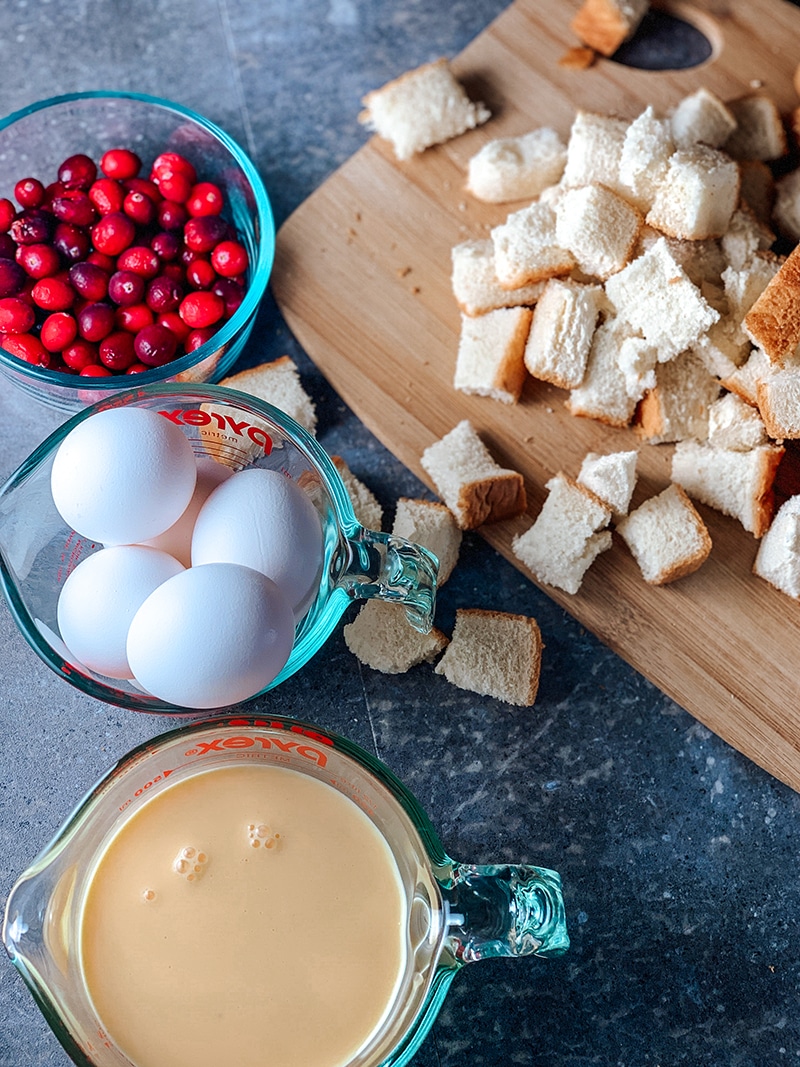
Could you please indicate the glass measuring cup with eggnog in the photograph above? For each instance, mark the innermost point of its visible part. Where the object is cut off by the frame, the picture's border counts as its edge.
(243, 881)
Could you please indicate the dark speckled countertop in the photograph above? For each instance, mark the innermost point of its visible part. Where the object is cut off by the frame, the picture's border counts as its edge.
(679, 857)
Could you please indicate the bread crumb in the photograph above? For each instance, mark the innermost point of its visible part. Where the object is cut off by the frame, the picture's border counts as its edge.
(578, 58)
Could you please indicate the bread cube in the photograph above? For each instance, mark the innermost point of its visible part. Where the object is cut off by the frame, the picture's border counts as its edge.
(701, 117)
(421, 108)
(278, 383)
(517, 168)
(778, 396)
(654, 295)
(734, 424)
(611, 477)
(644, 159)
(475, 285)
(598, 227)
(561, 332)
(677, 407)
(605, 24)
(697, 196)
(490, 354)
(744, 286)
(666, 536)
(760, 133)
(474, 487)
(526, 248)
(778, 558)
(637, 359)
(745, 237)
(744, 380)
(430, 524)
(567, 535)
(594, 150)
(786, 211)
(602, 394)
(381, 637)
(773, 322)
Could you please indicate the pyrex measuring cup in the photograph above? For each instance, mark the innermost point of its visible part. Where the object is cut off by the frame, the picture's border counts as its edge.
(455, 913)
(38, 550)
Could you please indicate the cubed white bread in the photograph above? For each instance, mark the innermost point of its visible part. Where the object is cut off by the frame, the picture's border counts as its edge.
(757, 187)
(734, 424)
(744, 286)
(560, 337)
(430, 524)
(366, 506)
(598, 227)
(697, 196)
(474, 487)
(567, 535)
(703, 261)
(677, 407)
(778, 396)
(637, 361)
(745, 237)
(594, 149)
(760, 133)
(381, 637)
(739, 484)
(778, 558)
(701, 117)
(644, 158)
(606, 24)
(611, 477)
(490, 354)
(655, 296)
(421, 108)
(744, 380)
(786, 211)
(279, 384)
(773, 321)
(526, 248)
(721, 349)
(475, 284)
(602, 394)
(666, 536)
(517, 168)
(494, 654)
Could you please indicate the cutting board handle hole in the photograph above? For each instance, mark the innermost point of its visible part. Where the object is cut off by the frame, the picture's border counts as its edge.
(672, 36)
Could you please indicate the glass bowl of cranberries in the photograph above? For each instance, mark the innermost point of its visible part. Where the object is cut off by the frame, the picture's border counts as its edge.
(136, 242)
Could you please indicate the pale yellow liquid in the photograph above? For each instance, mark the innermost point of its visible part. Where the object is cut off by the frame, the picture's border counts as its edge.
(284, 954)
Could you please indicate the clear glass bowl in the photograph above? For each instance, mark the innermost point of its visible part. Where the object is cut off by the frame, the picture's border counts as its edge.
(35, 140)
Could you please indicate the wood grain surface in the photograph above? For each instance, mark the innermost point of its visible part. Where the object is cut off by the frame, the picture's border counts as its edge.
(362, 276)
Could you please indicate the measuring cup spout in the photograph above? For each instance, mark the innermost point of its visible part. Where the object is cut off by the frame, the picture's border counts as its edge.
(504, 910)
(390, 568)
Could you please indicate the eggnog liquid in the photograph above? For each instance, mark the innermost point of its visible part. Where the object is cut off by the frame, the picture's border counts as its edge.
(249, 916)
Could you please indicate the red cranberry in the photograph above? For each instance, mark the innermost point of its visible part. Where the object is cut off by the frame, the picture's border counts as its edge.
(100, 259)
(96, 321)
(198, 337)
(175, 187)
(164, 294)
(8, 246)
(12, 277)
(172, 216)
(126, 288)
(7, 214)
(173, 321)
(230, 258)
(141, 260)
(155, 345)
(117, 351)
(120, 163)
(113, 233)
(204, 233)
(71, 242)
(96, 370)
(75, 207)
(58, 331)
(166, 246)
(206, 199)
(38, 260)
(142, 185)
(51, 191)
(29, 192)
(202, 309)
(107, 195)
(26, 346)
(136, 368)
(77, 172)
(53, 294)
(15, 315)
(133, 318)
(140, 207)
(174, 163)
(200, 274)
(175, 271)
(32, 226)
(79, 354)
(90, 280)
(231, 293)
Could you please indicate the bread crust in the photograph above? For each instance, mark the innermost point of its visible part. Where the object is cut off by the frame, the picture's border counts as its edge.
(773, 322)
(492, 499)
(601, 25)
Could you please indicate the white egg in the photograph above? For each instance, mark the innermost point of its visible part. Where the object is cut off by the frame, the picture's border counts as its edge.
(123, 475)
(100, 598)
(262, 519)
(177, 540)
(212, 636)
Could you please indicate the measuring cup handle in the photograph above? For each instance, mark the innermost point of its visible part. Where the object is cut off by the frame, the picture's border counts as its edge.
(392, 568)
(504, 910)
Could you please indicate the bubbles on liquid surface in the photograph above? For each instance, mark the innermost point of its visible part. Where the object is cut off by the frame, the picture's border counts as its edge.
(149, 895)
(190, 863)
(261, 835)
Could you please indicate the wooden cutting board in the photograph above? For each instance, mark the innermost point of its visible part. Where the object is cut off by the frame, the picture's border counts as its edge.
(362, 277)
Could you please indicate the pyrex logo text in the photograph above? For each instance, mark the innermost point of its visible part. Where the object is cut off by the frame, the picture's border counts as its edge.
(197, 417)
(221, 744)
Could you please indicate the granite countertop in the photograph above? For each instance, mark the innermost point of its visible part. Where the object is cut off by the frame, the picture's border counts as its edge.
(678, 855)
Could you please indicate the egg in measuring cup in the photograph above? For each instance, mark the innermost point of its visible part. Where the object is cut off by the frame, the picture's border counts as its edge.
(262, 519)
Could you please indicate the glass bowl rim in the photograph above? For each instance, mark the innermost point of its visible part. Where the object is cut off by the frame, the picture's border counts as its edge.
(260, 271)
